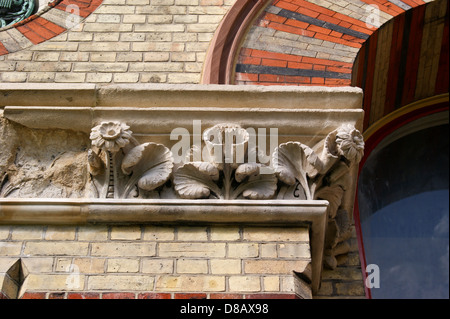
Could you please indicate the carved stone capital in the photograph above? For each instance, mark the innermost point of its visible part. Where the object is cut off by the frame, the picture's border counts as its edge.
(105, 154)
(296, 172)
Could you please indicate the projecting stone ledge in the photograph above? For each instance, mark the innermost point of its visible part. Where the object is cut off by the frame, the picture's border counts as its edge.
(179, 95)
(310, 214)
(310, 112)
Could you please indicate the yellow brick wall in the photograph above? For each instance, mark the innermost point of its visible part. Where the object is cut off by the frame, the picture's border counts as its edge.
(156, 259)
(124, 41)
(347, 280)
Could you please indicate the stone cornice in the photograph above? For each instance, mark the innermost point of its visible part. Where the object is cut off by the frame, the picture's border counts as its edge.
(156, 109)
(174, 95)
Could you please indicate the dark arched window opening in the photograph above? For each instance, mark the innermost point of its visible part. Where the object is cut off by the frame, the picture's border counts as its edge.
(403, 203)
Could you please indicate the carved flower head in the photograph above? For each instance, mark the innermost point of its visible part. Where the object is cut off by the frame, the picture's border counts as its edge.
(226, 143)
(111, 136)
(350, 143)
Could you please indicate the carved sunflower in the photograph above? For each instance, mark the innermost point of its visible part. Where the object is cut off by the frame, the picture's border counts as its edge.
(111, 136)
(350, 143)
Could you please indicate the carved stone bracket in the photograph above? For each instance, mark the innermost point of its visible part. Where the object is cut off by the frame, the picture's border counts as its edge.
(307, 175)
(122, 168)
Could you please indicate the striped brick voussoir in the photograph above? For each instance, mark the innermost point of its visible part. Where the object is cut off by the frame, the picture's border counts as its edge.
(311, 42)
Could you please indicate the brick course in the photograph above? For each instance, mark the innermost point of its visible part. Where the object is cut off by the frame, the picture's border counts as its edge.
(293, 31)
(133, 295)
(109, 262)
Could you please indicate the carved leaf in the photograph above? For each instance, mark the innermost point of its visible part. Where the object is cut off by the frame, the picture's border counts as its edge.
(150, 165)
(246, 170)
(338, 231)
(96, 165)
(295, 162)
(133, 158)
(5, 187)
(291, 160)
(207, 168)
(258, 187)
(330, 147)
(196, 180)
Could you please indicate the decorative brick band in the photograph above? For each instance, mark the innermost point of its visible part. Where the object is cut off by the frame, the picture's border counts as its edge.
(57, 17)
(228, 37)
(143, 295)
(300, 42)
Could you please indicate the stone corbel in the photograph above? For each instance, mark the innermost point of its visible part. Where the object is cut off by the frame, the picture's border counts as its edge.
(327, 176)
(122, 168)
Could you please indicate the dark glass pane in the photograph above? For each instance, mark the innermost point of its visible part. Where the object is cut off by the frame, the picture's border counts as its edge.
(404, 211)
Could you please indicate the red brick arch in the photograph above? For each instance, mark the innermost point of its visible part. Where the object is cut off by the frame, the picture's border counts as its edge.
(246, 62)
(298, 42)
(227, 39)
(45, 24)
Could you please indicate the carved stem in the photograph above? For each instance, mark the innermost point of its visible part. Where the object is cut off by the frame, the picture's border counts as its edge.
(227, 170)
(112, 174)
(303, 180)
(315, 185)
